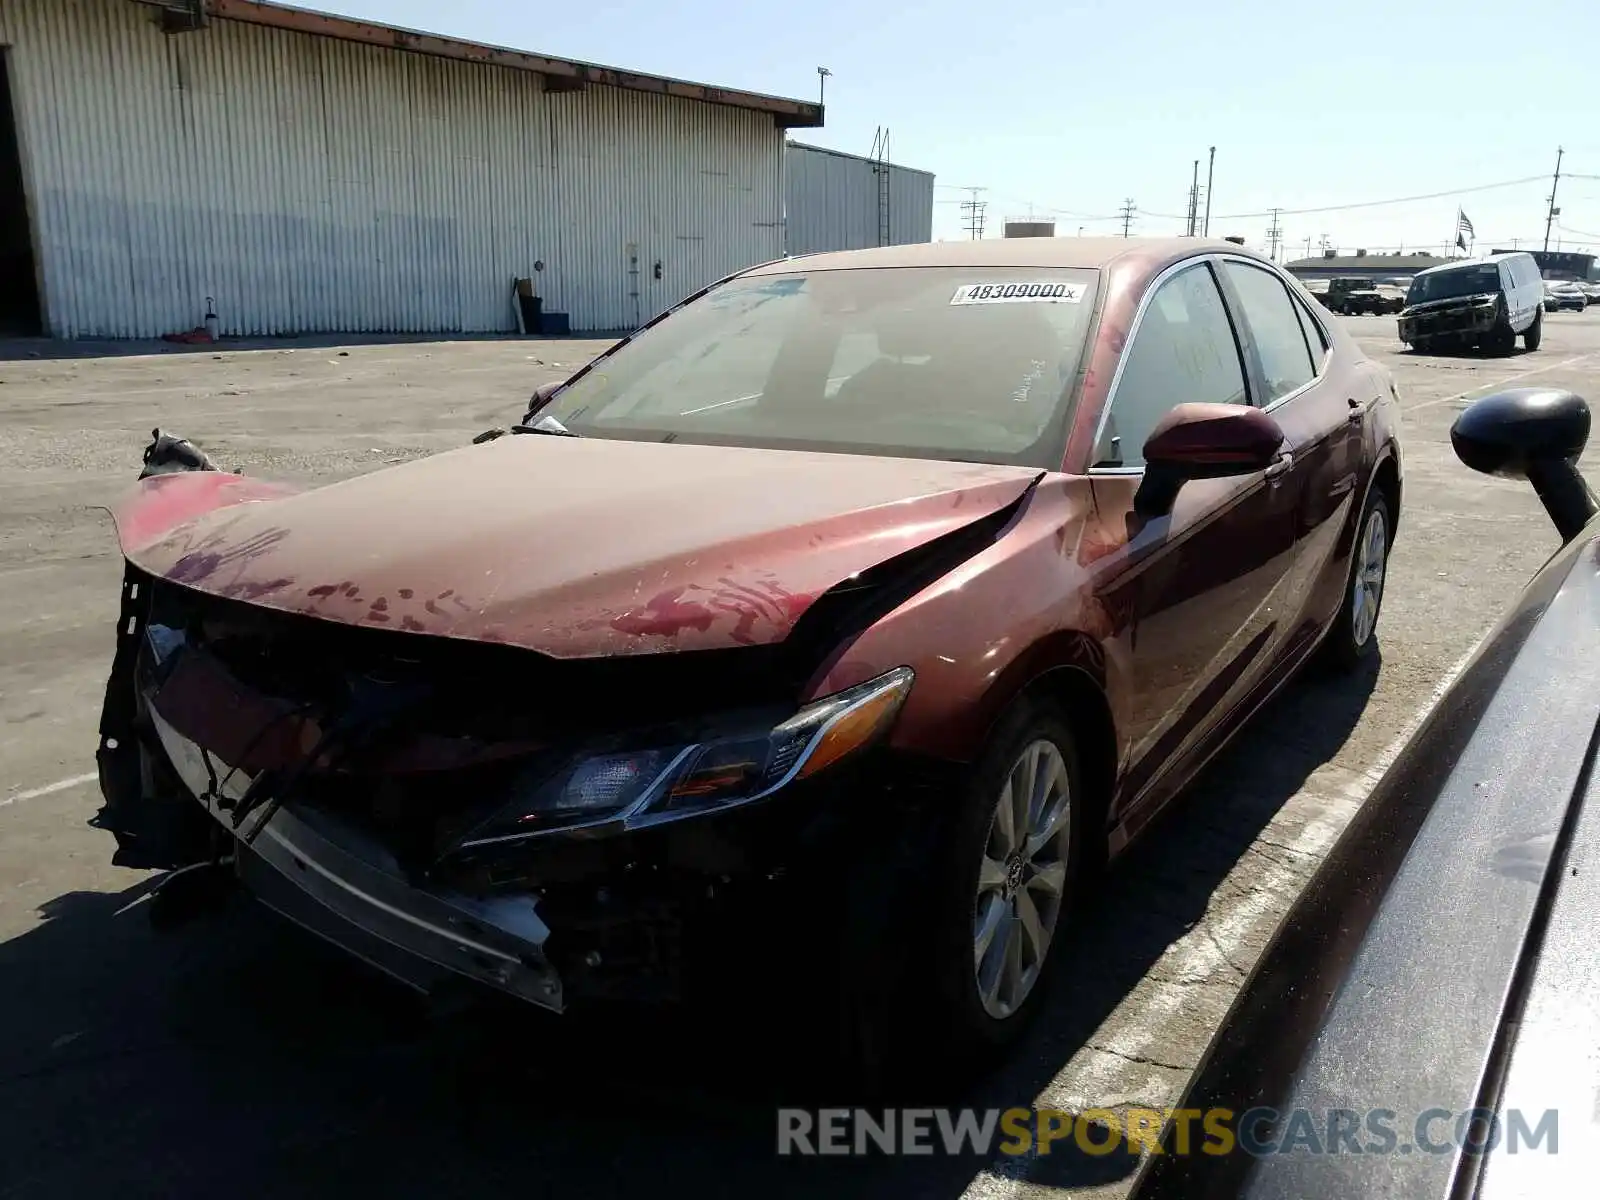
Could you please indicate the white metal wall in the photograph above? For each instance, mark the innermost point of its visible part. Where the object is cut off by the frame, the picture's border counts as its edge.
(309, 184)
(831, 202)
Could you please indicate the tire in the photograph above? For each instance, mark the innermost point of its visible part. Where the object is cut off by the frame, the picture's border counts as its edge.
(1352, 639)
(955, 999)
(1534, 334)
(1502, 338)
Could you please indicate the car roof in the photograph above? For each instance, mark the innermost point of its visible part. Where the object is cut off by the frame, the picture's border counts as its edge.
(1057, 252)
(1472, 262)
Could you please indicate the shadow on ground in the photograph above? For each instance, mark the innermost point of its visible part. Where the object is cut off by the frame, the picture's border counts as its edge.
(13, 349)
(1467, 352)
(239, 1056)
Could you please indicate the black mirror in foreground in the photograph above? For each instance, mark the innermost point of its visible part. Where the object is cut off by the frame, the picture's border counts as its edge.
(1535, 434)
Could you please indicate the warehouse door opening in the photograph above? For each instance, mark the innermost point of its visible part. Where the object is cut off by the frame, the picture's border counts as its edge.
(19, 296)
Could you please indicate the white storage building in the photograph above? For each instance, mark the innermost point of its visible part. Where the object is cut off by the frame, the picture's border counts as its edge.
(309, 173)
(838, 201)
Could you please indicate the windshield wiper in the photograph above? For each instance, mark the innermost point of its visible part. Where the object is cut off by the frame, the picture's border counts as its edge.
(545, 425)
(548, 425)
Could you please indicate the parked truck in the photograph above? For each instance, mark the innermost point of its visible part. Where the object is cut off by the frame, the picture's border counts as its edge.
(1354, 297)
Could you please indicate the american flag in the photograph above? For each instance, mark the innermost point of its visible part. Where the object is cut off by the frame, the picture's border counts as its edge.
(1463, 224)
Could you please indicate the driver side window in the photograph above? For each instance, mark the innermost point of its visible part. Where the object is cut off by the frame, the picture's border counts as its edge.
(1184, 350)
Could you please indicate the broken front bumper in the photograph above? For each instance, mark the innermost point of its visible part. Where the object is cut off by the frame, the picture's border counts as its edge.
(419, 938)
(1465, 322)
(340, 884)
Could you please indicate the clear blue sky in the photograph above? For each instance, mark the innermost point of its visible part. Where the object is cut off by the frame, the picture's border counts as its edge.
(1074, 107)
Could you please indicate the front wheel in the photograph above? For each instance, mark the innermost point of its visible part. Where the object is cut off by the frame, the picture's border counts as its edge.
(1352, 640)
(1532, 336)
(1016, 847)
(1502, 339)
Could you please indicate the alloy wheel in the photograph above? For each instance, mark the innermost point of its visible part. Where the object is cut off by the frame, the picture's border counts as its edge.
(1022, 878)
(1367, 586)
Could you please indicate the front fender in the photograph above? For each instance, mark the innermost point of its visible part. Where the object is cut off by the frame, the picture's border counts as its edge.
(1023, 607)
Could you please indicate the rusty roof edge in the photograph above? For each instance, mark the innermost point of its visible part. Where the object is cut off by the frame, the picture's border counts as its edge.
(787, 113)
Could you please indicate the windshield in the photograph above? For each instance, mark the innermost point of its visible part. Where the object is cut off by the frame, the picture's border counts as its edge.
(1462, 281)
(970, 364)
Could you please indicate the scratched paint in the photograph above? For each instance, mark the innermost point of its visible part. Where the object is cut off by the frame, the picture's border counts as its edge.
(530, 542)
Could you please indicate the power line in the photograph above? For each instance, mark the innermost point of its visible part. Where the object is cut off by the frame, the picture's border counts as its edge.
(1295, 212)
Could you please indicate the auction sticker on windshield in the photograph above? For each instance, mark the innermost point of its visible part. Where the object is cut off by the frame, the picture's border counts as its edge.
(1046, 291)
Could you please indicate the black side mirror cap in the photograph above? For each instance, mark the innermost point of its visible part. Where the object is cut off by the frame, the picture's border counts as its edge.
(1535, 434)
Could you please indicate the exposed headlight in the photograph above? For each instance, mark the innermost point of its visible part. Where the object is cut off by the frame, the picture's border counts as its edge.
(163, 641)
(641, 786)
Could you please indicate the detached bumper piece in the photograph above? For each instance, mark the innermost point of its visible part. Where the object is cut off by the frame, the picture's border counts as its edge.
(419, 938)
(339, 883)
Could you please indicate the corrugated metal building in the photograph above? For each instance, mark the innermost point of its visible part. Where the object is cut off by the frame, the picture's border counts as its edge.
(838, 201)
(312, 173)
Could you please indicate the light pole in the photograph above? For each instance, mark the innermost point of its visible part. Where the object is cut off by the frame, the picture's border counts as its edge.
(1211, 167)
(822, 83)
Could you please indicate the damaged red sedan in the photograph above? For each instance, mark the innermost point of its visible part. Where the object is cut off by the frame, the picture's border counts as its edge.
(847, 618)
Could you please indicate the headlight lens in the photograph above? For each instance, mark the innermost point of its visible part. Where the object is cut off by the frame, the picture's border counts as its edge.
(655, 783)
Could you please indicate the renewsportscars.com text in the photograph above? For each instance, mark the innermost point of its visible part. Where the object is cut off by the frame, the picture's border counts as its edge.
(1217, 1131)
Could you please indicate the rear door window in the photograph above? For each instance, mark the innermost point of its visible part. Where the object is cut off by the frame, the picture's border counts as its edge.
(1316, 339)
(1280, 338)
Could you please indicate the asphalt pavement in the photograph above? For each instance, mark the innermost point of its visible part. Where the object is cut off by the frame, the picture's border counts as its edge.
(240, 1056)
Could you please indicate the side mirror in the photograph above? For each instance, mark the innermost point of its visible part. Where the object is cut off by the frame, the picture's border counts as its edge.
(1535, 434)
(542, 393)
(1203, 441)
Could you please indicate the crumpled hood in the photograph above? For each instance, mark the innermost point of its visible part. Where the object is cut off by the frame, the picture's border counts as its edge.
(572, 547)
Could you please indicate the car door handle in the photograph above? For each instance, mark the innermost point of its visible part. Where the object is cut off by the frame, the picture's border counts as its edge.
(1359, 411)
(1283, 463)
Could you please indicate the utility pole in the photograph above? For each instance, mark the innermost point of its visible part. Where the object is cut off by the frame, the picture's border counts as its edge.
(1210, 168)
(1127, 215)
(1308, 245)
(1274, 236)
(1554, 212)
(1194, 200)
(974, 213)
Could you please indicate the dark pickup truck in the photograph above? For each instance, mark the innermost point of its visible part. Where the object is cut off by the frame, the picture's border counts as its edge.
(1355, 297)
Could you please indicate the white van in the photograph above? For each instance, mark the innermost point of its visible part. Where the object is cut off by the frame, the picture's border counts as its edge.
(1480, 302)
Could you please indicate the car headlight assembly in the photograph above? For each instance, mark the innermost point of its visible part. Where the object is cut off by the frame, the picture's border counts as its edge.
(636, 787)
